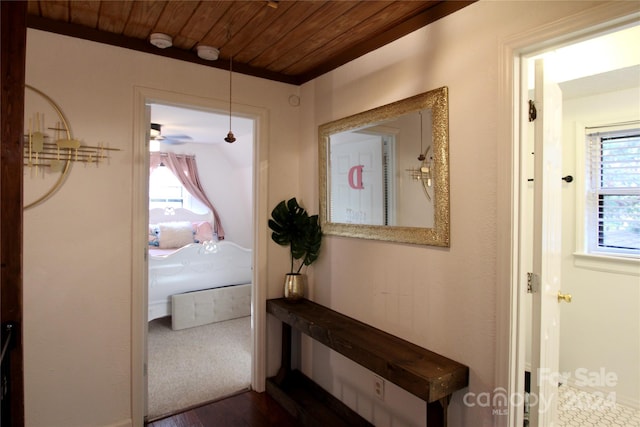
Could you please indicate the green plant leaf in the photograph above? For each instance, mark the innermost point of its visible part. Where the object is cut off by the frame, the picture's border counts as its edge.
(291, 225)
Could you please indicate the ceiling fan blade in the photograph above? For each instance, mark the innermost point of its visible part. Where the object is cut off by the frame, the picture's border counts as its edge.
(173, 139)
(178, 136)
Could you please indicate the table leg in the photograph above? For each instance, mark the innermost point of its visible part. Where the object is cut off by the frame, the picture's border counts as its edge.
(437, 412)
(285, 358)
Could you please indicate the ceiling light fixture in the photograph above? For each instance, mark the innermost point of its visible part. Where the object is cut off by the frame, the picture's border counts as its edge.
(208, 53)
(230, 138)
(155, 130)
(161, 40)
(272, 4)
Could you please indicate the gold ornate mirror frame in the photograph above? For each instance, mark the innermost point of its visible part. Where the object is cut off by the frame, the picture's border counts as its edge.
(434, 100)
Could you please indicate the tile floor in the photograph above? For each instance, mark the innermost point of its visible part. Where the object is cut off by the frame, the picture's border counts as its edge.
(581, 409)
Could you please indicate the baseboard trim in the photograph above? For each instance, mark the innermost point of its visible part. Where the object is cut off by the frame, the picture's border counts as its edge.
(125, 423)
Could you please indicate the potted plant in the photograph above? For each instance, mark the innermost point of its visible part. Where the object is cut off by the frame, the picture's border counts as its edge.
(292, 226)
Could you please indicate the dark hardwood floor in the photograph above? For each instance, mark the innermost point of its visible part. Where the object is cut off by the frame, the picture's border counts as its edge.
(246, 409)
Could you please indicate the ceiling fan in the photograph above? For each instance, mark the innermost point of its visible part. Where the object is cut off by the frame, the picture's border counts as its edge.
(156, 135)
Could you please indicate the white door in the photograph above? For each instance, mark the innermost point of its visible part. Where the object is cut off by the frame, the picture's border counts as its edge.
(357, 174)
(546, 250)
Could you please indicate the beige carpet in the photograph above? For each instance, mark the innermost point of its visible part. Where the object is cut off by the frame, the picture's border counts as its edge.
(196, 365)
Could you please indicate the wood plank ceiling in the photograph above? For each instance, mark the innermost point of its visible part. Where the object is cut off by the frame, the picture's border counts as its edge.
(287, 41)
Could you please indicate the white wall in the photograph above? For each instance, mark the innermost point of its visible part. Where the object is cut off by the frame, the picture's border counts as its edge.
(78, 282)
(441, 299)
(601, 327)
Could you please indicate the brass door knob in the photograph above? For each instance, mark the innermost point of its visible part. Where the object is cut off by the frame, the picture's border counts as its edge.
(564, 297)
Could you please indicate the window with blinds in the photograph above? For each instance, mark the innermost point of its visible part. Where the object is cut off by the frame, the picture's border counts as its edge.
(166, 191)
(613, 192)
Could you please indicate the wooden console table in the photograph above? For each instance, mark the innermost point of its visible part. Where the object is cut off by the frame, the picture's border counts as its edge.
(428, 375)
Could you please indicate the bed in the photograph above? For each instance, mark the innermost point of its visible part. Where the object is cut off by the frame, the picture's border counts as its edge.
(193, 277)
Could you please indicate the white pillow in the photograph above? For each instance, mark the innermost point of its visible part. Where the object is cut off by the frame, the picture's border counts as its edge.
(175, 234)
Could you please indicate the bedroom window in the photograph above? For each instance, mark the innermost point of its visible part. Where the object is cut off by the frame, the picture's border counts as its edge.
(165, 191)
(612, 214)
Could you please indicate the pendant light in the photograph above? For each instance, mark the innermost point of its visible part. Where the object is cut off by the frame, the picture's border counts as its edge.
(230, 138)
(421, 157)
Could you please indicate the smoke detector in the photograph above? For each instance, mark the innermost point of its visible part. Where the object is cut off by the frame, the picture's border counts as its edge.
(160, 40)
(208, 53)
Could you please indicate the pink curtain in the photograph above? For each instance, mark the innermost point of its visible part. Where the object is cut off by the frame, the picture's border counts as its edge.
(185, 169)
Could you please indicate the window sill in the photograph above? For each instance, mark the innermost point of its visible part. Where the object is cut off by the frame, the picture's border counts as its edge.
(607, 263)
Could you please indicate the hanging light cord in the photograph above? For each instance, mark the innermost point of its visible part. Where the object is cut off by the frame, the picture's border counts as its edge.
(230, 88)
(230, 138)
(421, 157)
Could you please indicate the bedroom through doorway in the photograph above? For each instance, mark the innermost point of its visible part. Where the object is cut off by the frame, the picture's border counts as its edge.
(199, 337)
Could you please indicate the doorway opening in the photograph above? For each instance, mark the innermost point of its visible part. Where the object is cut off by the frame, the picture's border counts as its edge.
(596, 371)
(199, 343)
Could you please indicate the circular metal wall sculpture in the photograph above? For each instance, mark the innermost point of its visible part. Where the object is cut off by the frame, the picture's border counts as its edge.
(50, 148)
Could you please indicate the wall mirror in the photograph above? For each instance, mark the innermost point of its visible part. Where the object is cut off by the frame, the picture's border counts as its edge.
(384, 173)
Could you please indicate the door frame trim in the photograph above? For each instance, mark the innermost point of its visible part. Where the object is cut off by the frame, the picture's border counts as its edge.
(510, 280)
(140, 216)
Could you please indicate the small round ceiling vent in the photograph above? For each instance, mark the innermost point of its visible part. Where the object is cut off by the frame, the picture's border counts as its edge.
(160, 40)
(207, 52)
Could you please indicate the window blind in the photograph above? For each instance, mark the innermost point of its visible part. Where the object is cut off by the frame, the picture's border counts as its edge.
(614, 192)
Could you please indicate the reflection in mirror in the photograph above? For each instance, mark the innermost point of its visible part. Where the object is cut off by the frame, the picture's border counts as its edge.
(380, 173)
(384, 172)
